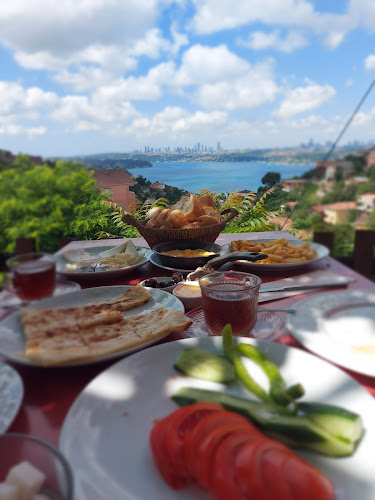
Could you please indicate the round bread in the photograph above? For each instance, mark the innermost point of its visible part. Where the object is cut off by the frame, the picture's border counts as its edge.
(206, 220)
(212, 212)
(207, 200)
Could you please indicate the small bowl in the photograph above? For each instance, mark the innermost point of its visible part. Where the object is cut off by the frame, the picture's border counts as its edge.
(161, 279)
(189, 293)
(186, 262)
(16, 448)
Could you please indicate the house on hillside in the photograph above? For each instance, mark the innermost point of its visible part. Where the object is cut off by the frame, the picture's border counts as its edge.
(338, 212)
(289, 184)
(158, 185)
(356, 180)
(116, 182)
(346, 168)
(288, 206)
(366, 202)
(324, 188)
(370, 157)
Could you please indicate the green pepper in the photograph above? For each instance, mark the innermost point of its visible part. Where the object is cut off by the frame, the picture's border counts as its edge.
(278, 391)
(242, 374)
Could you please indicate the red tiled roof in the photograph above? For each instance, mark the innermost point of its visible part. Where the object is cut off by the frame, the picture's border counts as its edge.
(112, 177)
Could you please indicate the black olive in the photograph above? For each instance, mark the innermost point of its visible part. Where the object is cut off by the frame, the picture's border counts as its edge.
(165, 283)
(177, 277)
(151, 282)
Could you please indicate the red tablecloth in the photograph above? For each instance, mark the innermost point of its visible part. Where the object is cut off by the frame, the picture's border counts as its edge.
(49, 393)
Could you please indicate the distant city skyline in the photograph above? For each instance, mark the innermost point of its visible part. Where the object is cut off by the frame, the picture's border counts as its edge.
(92, 77)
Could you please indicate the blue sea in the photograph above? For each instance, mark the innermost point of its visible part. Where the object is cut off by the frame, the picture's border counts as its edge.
(220, 177)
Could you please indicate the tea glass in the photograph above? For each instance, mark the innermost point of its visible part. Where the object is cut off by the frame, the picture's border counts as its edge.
(32, 276)
(16, 448)
(230, 297)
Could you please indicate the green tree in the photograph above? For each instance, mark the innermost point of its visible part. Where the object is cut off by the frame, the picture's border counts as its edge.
(46, 203)
(270, 179)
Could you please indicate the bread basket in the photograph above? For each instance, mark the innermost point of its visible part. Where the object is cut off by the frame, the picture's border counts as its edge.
(153, 236)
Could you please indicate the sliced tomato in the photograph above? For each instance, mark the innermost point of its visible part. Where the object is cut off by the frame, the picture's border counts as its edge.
(195, 439)
(247, 473)
(157, 436)
(223, 482)
(171, 457)
(305, 481)
(270, 469)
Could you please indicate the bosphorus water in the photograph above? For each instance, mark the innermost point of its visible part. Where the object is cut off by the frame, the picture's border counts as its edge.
(218, 177)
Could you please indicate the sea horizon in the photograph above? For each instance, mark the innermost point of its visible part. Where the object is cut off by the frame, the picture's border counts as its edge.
(218, 177)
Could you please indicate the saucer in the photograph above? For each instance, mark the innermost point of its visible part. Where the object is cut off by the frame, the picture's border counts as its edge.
(269, 325)
(9, 299)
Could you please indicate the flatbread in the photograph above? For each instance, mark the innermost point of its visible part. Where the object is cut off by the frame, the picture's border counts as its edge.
(38, 322)
(60, 336)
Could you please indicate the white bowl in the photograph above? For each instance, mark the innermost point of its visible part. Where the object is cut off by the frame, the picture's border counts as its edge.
(189, 293)
(159, 279)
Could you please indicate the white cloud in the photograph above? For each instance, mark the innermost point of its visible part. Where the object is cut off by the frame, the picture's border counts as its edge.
(259, 40)
(81, 113)
(217, 15)
(370, 62)
(303, 99)
(16, 100)
(20, 130)
(67, 26)
(174, 122)
(202, 64)
(253, 89)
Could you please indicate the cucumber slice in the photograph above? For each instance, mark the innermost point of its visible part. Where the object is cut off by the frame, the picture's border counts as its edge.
(339, 422)
(294, 430)
(205, 365)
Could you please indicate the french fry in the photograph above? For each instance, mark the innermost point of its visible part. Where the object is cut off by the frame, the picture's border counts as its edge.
(279, 251)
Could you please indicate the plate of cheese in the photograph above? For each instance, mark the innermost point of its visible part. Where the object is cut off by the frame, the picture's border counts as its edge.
(101, 261)
(91, 325)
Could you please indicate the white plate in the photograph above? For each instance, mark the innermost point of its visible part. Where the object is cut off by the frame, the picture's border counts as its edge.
(12, 341)
(105, 436)
(321, 253)
(61, 264)
(11, 395)
(340, 326)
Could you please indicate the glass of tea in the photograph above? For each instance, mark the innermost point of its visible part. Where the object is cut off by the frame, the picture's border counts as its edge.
(230, 297)
(32, 276)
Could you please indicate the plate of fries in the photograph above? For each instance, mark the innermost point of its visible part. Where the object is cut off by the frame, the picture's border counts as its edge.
(282, 253)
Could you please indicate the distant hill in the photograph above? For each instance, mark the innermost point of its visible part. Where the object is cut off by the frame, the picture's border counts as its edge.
(111, 160)
(297, 155)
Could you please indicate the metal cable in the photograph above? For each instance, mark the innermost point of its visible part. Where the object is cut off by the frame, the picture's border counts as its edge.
(328, 155)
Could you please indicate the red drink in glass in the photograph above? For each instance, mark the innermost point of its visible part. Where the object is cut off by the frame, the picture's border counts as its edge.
(32, 278)
(230, 298)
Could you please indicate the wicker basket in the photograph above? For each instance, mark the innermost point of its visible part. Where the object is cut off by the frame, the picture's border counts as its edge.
(153, 236)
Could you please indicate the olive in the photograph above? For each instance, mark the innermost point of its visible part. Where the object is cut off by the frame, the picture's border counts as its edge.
(177, 277)
(151, 282)
(164, 284)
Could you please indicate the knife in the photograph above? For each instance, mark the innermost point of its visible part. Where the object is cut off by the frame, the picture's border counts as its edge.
(302, 286)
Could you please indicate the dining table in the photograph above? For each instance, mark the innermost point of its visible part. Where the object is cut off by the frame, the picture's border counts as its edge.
(50, 392)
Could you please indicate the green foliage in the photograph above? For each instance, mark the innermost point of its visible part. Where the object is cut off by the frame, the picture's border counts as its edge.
(270, 179)
(143, 190)
(47, 202)
(253, 214)
(341, 192)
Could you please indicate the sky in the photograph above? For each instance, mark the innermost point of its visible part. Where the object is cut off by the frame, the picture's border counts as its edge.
(83, 77)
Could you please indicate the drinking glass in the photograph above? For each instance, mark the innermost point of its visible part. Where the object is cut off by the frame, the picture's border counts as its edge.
(32, 276)
(230, 297)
